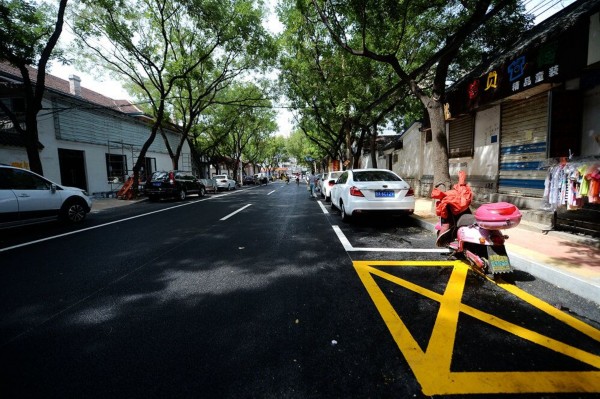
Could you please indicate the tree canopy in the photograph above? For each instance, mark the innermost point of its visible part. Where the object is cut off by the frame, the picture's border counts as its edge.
(28, 35)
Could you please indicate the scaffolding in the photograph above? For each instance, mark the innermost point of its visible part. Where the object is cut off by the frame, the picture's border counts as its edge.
(119, 176)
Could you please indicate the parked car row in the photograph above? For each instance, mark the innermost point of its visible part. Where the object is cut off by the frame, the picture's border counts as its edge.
(327, 182)
(26, 197)
(258, 178)
(179, 184)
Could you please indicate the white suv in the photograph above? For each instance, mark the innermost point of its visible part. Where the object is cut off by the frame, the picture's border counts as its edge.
(26, 198)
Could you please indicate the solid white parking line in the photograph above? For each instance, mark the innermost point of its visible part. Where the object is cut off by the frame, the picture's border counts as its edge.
(426, 250)
(349, 248)
(233, 213)
(322, 207)
(342, 238)
(271, 192)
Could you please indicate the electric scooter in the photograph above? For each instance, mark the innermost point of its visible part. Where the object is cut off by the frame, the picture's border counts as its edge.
(476, 238)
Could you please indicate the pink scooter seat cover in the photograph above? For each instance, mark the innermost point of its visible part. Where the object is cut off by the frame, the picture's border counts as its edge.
(498, 216)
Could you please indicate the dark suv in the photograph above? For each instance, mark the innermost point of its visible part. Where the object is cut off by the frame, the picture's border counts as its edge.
(173, 184)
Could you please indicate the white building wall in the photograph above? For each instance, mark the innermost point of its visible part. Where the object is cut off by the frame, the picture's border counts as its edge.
(14, 156)
(93, 142)
(409, 165)
(427, 157)
(482, 168)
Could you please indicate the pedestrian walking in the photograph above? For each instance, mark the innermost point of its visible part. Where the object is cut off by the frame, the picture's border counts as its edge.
(311, 185)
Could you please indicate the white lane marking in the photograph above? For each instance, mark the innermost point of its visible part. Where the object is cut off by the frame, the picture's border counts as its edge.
(349, 248)
(271, 192)
(427, 250)
(342, 238)
(322, 207)
(100, 225)
(233, 213)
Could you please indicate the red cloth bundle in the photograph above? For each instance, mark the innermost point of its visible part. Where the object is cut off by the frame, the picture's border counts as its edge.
(457, 200)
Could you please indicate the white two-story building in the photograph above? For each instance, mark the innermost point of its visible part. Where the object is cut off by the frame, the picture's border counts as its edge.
(86, 140)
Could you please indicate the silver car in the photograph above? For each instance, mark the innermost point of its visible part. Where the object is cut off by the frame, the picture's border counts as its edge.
(363, 191)
(27, 198)
(224, 182)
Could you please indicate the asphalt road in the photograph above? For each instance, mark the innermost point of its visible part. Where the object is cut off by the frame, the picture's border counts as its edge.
(265, 293)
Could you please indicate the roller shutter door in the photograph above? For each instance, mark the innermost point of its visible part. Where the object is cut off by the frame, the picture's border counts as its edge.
(460, 137)
(523, 143)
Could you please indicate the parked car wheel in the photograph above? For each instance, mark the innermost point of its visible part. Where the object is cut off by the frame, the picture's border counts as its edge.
(182, 194)
(202, 192)
(73, 211)
(345, 217)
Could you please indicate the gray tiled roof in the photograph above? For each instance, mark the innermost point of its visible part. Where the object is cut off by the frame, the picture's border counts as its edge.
(57, 84)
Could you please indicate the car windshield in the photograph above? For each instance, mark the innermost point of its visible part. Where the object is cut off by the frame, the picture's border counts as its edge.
(159, 175)
(375, 175)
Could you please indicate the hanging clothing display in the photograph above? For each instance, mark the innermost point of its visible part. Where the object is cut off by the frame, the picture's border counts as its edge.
(573, 183)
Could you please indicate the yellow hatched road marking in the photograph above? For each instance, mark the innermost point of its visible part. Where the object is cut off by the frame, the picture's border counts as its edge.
(432, 367)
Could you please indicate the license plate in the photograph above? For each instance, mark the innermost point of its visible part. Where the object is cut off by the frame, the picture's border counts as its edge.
(499, 262)
(156, 184)
(384, 194)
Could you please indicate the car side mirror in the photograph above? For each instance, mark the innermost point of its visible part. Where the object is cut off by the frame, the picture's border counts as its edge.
(53, 188)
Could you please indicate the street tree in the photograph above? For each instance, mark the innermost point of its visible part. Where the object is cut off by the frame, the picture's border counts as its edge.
(426, 43)
(243, 47)
(166, 48)
(240, 122)
(29, 32)
(300, 147)
(341, 100)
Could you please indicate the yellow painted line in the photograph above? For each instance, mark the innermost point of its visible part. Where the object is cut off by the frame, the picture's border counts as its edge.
(432, 366)
(551, 310)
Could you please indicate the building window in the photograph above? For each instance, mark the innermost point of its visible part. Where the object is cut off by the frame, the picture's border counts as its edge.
(17, 107)
(116, 168)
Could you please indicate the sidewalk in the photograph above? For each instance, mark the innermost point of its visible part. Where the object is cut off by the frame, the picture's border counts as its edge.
(569, 261)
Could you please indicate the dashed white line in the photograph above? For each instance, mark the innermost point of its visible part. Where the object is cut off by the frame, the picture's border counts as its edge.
(322, 207)
(233, 213)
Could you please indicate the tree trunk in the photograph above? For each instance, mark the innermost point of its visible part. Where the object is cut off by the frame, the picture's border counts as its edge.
(374, 147)
(31, 137)
(441, 173)
(142, 155)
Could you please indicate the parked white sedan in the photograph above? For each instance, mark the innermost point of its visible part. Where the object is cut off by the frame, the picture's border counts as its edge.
(224, 182)
(328, 182)
(372, 191)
